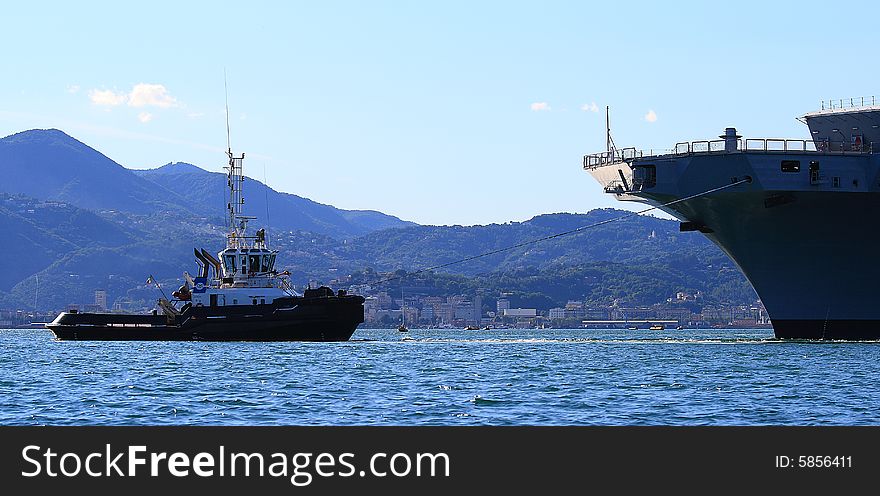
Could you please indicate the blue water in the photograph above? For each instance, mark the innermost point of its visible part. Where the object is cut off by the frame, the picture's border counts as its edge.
(444, 377)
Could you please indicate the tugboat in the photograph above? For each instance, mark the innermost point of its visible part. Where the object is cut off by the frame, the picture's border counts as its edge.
(237, 296)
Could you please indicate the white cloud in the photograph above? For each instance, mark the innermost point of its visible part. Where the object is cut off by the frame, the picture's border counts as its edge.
(144, 94)
(651, 116)
(107, 97)
(539, 106)
(141, 95)
(73, 88)
(195, 115)
(145, 117)
(590, 107)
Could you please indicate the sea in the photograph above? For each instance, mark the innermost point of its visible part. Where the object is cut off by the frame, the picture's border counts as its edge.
(455, 377)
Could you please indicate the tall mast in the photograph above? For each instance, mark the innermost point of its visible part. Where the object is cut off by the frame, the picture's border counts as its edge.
(236, 223)
(609, 142)
(607, 129)
(226, 94)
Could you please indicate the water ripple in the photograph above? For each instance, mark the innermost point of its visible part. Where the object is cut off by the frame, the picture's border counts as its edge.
(444, 377)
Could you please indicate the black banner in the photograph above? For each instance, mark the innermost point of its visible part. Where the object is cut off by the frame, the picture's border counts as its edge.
(398, 460)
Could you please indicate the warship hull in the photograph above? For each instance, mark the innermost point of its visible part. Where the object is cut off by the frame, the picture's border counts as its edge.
(802, 256)
(796, 218)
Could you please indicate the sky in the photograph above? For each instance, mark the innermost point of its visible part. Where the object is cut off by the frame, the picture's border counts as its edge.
(442, 113)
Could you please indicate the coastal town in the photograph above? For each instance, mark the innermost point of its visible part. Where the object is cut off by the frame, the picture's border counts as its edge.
(474, 311)
(381, 310)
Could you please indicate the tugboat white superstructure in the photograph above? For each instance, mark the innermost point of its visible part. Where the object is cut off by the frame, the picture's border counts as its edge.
(236, 296)
(796, 215)
(244, 271)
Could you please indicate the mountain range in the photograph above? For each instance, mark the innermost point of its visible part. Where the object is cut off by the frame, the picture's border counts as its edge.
(78, 221)
(47, 164)
(206, 193)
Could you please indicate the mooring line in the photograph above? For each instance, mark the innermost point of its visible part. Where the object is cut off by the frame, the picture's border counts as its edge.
(747, 179)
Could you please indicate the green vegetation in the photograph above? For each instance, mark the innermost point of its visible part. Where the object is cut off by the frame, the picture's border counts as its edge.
(77, 221)
(637, 261)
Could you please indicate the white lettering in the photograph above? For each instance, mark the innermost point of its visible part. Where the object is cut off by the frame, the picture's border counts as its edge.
(320, 462)
(202, 461)
(281, 465)
(433, 458)
(247, 458)
(154, 462)
(342, 461)
(177, 461)
(400, 456)
(68, 456)
(89, 465)
(373, 464)
(134, 460)
(48, 455)
(111, 463)
(24, 454)
(298, 466)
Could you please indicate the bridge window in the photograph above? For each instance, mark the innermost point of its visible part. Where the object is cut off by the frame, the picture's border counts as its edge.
(255, 263)
(229, 261)
(791, 166)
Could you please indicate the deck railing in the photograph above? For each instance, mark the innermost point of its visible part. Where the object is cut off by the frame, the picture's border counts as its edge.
(704, 147)
(842, 103)
(611, 156)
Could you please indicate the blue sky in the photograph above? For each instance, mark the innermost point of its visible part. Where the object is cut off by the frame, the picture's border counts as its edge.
(441, 113)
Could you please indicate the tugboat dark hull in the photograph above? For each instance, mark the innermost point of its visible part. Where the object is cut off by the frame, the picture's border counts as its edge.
(329, 318)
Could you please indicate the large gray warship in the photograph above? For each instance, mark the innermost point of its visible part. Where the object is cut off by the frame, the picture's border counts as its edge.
(796, 215)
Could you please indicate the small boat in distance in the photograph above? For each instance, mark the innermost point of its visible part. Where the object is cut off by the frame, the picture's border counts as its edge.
(237, 296)
(402, 327)
(657, 327)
